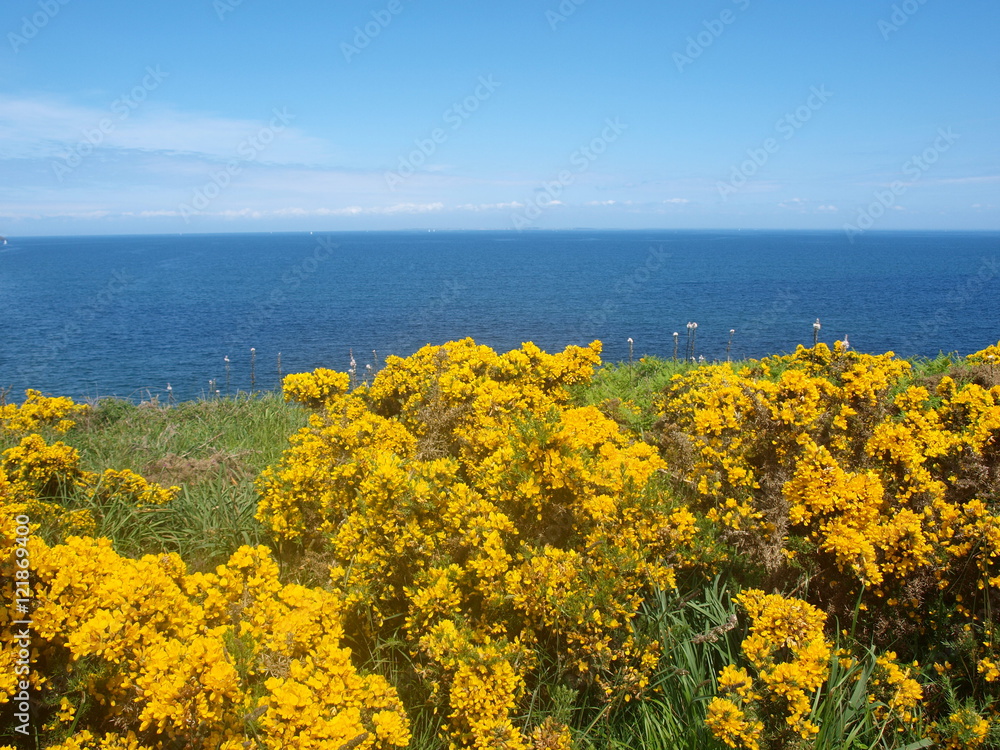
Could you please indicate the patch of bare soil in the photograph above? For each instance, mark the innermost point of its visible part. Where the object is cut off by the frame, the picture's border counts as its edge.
(176, 469)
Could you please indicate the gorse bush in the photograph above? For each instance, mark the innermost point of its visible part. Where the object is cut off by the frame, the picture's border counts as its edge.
(468, 508)
(140, 653)
(483, 550)
(39, 411)
(208, 659)
(811, 461)
(827, 469)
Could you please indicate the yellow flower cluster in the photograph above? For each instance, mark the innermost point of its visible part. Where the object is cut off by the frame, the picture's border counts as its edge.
(750, 428)
(988, 356)
(729, 723)
(39, 411)
(127, 484)
(838, 463)
(964, 729)
(215, 660)
(484, 686)
(9, 513)
(897, 693)
(36, 469)
(314, 389)
(38, 477)
(463, 492)
(86, 740)
(790, 656)
(878, 486)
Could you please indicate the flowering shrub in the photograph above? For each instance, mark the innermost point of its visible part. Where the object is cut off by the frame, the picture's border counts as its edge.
(86, 740)
(882, 491)
(123, 483)
(211, 660)
(48, 480)
(39, 411)
(748, 430)
(315, 388)
(990, 355)
(9, 513)
(215, 660)
(463, 492)
(963, 729)
(493, 545)
(896, 692)
(36, 469)
(789, 655)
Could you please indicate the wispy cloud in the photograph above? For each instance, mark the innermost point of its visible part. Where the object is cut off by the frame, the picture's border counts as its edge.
(48, 127)
(490, 206)
(248, 212)
(967, 180)
(797, 204)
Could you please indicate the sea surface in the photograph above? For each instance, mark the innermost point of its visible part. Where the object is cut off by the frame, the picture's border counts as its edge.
(91, 317)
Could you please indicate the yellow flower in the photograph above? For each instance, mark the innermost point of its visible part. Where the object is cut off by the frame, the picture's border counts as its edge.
(38, 411)
(729, 724)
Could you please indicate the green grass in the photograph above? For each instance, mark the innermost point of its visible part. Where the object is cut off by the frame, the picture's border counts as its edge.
(235, 436)
(212, 449)
(627, 390)
(698, 636)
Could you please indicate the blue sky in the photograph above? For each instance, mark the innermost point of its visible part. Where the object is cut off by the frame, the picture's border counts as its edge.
(254, 115)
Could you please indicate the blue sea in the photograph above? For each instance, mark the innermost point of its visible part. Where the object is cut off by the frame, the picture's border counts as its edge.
(91, 317)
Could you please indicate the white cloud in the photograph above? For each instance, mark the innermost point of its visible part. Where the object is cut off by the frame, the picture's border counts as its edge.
(50, 128)
(150, 214)
(489, 206)
(796, 204)
(409, 208)
(966, 180)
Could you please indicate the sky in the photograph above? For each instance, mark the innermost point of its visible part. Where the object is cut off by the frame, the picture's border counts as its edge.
(253, 115)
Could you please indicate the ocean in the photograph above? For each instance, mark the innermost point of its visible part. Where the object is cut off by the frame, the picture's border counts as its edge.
(93, 317)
